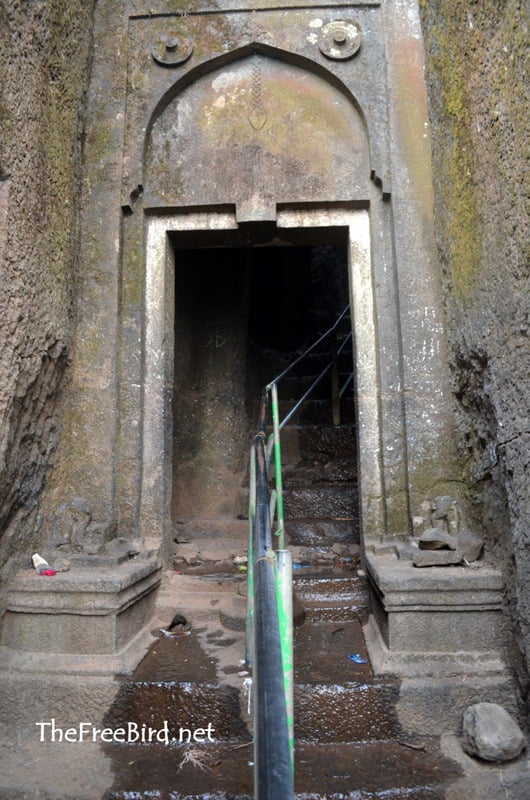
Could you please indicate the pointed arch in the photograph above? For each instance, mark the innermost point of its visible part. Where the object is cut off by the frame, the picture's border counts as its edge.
(258, 122)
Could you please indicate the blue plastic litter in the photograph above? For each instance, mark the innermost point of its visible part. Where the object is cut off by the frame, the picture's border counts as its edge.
(301, 566)
(358, 658)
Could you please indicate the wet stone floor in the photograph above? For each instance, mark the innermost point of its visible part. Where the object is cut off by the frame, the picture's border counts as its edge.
(349, 743)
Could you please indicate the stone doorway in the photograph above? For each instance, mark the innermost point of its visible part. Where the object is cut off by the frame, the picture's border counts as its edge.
(245, 305)
(203, 282)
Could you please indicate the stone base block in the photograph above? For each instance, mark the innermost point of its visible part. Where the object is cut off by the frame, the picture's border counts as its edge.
(442, 610)
(29, 698)
(422, 664)
(440, 630)
(66, 638)
(83, 621)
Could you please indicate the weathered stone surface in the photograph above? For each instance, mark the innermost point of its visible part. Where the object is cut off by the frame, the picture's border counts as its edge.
(333, 500)
(449, 530)
(437, 558)
(44, 52)
(490, 733)
(470, 545)
(437, 539)
(477, 76)
(442, 506)
(306, 532)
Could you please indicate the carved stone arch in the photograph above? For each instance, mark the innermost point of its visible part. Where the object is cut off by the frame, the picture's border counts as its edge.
(259, 126)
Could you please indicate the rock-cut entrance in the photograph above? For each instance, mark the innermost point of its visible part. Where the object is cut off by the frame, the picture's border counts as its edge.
(246, 303)
(255, 170)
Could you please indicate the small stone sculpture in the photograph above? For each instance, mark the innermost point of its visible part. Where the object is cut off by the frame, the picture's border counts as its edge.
(448, 541)
(83, 539)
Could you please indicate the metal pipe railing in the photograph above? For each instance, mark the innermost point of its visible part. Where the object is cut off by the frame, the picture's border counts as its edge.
(249, 643)
(310, 349)
(273, 760)
(269, 648)
(280, 533)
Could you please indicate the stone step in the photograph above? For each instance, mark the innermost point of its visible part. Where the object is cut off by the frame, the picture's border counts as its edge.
(179, 707)
(303, 473)
(307, 473)
(322, 532)
(333, 612)
(318, 444)
(321, 500)
(372, 770)
(332, 599)
(207, 541)
(369, 770)
(184, 712)
(216, 531)
(331, 653)
(347, 712)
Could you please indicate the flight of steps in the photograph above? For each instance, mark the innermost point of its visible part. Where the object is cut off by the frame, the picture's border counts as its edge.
(349, 744)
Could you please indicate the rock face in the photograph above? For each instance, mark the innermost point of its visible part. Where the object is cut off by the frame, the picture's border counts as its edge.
(44, 54)
(477, 79)
(491, 734)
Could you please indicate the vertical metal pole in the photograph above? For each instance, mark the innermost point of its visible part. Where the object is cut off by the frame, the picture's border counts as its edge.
(278, 467)
(273, 771)
(284, 584)
(335, 394)
(249, 644)
(272, 505)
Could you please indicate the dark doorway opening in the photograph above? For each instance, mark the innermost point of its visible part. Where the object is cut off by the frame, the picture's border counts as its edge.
(246, 303)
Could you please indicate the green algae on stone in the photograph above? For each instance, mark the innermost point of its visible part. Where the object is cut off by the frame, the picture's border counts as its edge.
(457, 179)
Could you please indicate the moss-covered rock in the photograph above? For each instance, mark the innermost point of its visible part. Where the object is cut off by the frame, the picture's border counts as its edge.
(44, 63)
(477, 71)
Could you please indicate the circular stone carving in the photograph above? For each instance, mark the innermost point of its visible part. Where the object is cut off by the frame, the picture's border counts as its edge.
(170, 51)
(340, 39)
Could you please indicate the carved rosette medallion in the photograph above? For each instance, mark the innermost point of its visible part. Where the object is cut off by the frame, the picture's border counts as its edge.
(340, 40)
(171, 51)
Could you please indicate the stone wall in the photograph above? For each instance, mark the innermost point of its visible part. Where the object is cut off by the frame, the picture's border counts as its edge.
(44, 62)
(477, 75)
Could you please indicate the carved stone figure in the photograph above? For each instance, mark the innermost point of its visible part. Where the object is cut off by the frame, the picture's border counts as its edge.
(448, 533)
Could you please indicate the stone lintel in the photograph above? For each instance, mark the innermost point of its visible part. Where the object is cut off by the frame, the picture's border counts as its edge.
(256, 209)
(142, 8)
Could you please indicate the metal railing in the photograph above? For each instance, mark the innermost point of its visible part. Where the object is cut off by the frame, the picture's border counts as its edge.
(269, 649)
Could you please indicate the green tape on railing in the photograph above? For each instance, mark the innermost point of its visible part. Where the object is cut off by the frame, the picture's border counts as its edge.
(284, 593)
